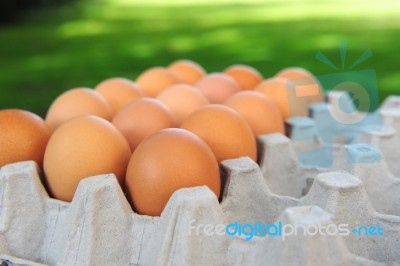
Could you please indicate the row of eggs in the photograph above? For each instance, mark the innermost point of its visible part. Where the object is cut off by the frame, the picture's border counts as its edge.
(168, 130)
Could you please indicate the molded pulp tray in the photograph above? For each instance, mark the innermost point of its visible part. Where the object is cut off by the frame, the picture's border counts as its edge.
(99, 227)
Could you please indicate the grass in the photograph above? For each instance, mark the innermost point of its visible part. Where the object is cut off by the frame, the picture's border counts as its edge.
(82, 44)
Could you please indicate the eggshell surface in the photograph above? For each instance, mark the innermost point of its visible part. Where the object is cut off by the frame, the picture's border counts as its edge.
(164, 162)
(187, 71)
(77, 102)
(182, 100)
(306, 84)
(155, 80)
(217, 87)
(118, 92)
(83, 147)
(23, 136)
(283, 93)
(142, 118)
(261, 114)
(294, 72)
(224, 130)
(246, 76)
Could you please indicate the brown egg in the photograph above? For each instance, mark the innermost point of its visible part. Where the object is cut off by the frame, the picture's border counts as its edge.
(217, 87)
(77, 102)
(293, 72)
(261, 113)
(142, 118)
(155, 80)
(164, 162)
(82, 147)
(224, 130)
(246, 76)
(182, 100)
(23, 137)
(187, 71)
(118, 92)
(307, 85)
(283, 93)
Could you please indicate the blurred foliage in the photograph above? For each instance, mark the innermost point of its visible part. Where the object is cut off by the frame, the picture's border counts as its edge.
(12, 11)
(83, 43)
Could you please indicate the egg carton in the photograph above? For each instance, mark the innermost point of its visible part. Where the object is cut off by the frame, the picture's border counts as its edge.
(99, 227)
(380, 129)
(6, 260)
(388, 138)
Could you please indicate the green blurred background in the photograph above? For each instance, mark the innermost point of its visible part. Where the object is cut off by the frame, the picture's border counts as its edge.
(50, 49)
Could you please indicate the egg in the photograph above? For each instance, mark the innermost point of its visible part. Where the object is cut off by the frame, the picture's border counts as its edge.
(23, 137)
(217, 87)
(155, 80)
(142, 118)
(164, 162)
(82, 147)
(224, 130)
(283, 93)
(307, 85)
(182, 100)
(293, 72)
(77, 102)
(187, 71)
(118, 92)
(246, 76)
(261, 113)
